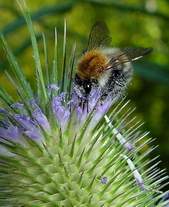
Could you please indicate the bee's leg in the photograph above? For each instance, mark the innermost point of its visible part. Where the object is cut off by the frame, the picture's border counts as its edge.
(84, 104)
(87, 103)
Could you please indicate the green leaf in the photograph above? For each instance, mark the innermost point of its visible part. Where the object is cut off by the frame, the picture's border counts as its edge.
(42, 95)
(152, 72)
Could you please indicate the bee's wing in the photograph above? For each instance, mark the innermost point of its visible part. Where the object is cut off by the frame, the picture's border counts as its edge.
(128, 54)
(99, 36)
(136, 53)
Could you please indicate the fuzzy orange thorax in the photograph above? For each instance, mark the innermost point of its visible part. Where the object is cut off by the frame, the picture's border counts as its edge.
(92, 64)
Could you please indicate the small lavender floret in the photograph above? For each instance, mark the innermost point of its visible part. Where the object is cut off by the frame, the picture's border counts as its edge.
(128, 146)
(42, 120)
(53, 86)
(33, 102)
(61, 113)
(17, 105)
(11, 133)
(165, 198)
(104, 180)
(3, 111)
(31, 128)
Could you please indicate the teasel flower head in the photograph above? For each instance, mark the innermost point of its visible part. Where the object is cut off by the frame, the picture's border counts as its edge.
(56, 149)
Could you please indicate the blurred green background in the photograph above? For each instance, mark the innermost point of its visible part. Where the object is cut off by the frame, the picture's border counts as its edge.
(133, 23)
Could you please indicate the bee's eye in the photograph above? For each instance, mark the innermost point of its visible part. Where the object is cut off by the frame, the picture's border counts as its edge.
(84, 85)
(87, 87)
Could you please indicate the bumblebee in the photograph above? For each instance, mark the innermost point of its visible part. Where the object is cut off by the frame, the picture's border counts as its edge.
(101, 66)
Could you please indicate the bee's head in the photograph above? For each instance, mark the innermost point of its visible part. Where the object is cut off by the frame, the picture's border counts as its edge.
(85, 86)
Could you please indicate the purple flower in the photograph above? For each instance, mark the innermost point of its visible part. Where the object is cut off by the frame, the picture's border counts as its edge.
(61, 113)
(82, 107)
(3, 111)
(22, 125)
(42, 120)
(17, 105)
(104, 180)
(11, 133)
(53, 86)
(29, 127)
